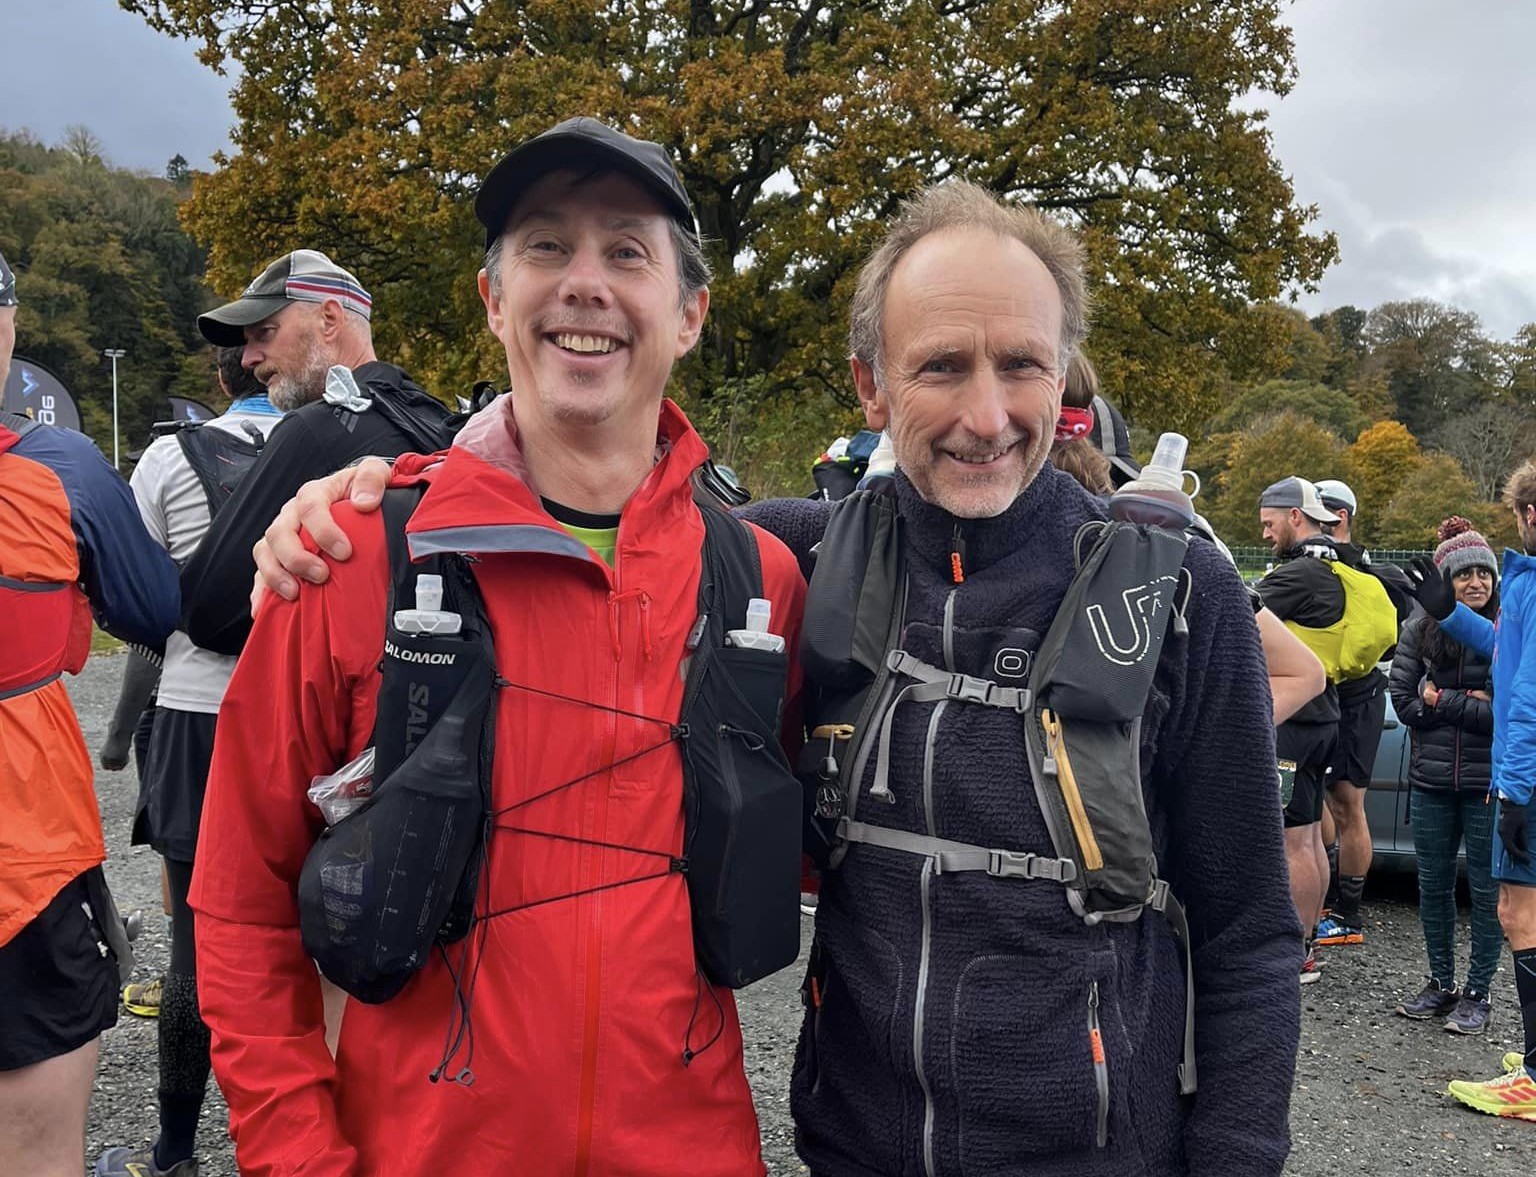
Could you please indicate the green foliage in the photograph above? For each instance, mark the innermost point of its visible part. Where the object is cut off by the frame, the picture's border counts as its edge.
(102, 262)
(1273, 448)
(798, 127)
(1331, 408)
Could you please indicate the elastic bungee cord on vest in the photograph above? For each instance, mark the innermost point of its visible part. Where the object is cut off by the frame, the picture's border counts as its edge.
(460, 1034)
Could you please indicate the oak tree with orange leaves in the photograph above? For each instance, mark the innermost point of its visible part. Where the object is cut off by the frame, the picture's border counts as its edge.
(798, 126)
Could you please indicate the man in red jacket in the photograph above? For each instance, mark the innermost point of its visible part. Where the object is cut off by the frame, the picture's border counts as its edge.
(597, 1046)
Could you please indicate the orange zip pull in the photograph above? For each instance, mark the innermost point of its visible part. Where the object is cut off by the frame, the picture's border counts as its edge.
(957, 557)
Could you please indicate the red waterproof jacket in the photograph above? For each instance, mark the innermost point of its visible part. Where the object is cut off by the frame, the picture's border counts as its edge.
(581, 1006)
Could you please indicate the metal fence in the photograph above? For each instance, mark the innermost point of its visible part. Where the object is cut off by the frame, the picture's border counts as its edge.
(1254, 561)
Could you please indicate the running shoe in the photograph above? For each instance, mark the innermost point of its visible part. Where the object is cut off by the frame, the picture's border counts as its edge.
(1470, 1016)
(1512, 1094)
(140, 1162)
(1331, 931)
(1311, 968)
(143, 997)
(1432, 1002)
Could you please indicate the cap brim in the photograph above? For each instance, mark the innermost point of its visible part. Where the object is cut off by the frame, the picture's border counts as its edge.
(1319, 515)
(566, 151)
(225, 326)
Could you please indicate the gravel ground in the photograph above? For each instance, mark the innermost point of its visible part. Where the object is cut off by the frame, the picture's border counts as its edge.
(1369, 1084)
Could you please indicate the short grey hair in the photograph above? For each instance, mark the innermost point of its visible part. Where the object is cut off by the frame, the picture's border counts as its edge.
(692, 266)
(959, 204)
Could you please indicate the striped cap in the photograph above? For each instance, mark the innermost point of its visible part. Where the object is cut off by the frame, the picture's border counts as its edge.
(305, 275)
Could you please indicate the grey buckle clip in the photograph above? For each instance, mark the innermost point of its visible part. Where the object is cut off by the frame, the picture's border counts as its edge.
(968, 689)
(1010, 864)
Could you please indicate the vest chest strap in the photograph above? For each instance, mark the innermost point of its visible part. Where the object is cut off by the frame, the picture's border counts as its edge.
(957, 857)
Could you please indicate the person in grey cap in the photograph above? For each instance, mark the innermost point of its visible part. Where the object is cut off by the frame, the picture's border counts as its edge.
(303, 316)
(1362, 709)
(1302, 591)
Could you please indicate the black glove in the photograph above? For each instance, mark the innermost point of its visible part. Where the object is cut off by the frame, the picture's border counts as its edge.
(1432, 588)
(1513, 832)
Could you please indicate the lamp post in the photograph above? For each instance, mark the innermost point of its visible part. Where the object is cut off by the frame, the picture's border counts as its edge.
(114, 354)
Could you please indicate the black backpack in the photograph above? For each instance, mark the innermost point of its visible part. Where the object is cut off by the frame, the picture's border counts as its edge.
(219, 458)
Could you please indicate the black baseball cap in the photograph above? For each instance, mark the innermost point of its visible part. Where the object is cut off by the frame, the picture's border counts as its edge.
(7, 284)
(580, 144)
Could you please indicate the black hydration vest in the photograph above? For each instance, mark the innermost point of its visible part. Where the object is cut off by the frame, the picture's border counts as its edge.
(1080, 703)
(401, 874)
(219, 458)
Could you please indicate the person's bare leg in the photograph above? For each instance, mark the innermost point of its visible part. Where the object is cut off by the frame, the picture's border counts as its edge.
(1347, 805)
(42, 1113)
(1303, 847)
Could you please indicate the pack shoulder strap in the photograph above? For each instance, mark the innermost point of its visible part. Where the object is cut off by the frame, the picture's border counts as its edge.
(17, 424)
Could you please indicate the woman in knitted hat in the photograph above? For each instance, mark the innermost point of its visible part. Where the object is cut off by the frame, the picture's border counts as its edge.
(1440, 690)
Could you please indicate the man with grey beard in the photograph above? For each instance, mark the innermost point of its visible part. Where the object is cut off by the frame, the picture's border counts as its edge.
(303, 317)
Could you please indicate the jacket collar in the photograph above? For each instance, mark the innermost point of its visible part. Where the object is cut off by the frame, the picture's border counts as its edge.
(1517, 562)
(480, 499)
(931, 529)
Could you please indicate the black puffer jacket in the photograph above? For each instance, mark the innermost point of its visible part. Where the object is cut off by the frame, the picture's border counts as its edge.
(1452, 741)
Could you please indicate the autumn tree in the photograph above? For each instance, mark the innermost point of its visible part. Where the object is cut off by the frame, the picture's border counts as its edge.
(1437, 360)
(1272, 448)
(1375, 466)
(1332, 408)
(798, 126)
(1489, 441)
(1435, 488)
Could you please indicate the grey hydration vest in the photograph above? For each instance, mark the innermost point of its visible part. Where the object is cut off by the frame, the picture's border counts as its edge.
(1081, 705)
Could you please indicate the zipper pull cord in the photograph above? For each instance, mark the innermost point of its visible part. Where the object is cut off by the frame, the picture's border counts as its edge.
(957, 556)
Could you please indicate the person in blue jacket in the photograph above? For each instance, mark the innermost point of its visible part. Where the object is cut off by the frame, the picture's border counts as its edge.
(1510, 641)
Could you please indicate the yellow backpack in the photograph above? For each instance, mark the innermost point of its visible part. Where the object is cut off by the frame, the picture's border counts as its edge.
(1352, 645)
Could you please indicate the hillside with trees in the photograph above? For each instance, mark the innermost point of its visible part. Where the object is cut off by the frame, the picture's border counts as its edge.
(103, 262)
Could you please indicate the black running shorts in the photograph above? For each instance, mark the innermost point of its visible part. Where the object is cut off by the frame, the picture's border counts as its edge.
(1309, 747)
(170, 807)
(58, 982)
(1354, 756)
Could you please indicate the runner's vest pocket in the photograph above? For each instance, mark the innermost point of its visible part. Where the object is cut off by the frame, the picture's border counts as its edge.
(387, 882)
(744, 816)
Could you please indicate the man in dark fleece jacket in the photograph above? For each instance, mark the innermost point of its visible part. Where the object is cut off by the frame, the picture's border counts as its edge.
(954, 1016)
(952, 1034)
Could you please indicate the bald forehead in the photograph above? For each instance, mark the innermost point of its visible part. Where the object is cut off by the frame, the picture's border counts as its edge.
(957, 273)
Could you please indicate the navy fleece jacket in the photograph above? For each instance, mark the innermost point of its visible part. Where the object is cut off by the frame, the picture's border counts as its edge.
(953, 1030)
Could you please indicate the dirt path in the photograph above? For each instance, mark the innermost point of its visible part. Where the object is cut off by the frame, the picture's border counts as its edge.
(1369, 1084)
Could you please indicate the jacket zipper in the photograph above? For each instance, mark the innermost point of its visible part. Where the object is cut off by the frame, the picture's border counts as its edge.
(1100, 1067)
(1093, 857)
(1461, 679)
(586, 1110)
(918, 1020)
(919, 1011)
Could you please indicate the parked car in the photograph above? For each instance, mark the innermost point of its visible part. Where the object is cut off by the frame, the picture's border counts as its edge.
(1387, 809)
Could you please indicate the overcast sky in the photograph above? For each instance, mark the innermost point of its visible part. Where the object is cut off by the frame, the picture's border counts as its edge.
(1411, 128)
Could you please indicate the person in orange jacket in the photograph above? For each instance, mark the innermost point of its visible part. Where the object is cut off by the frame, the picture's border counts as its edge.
(597, 1046)
(71, 545)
